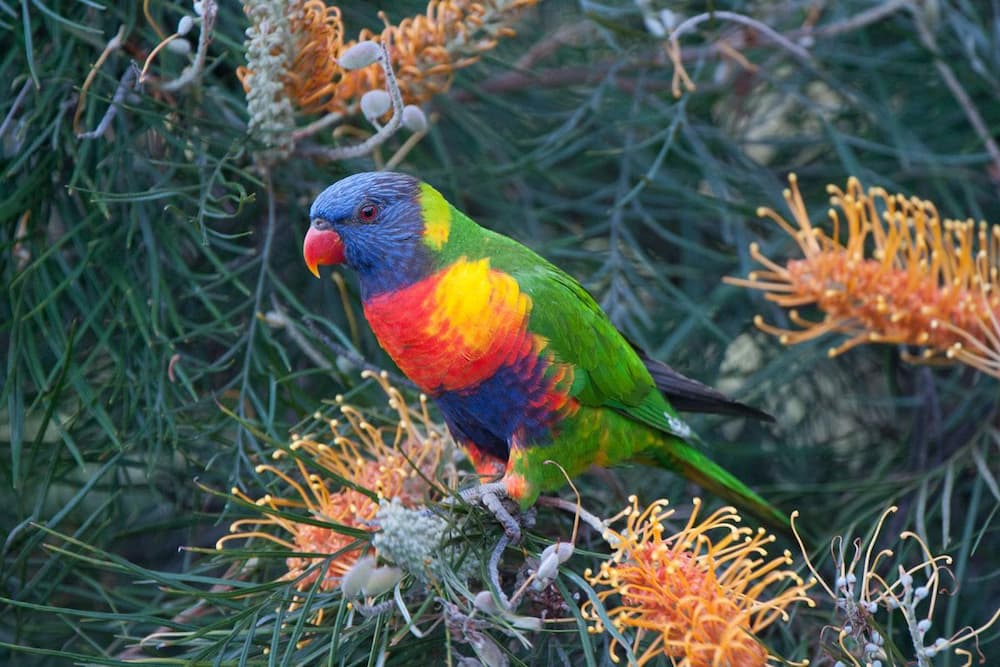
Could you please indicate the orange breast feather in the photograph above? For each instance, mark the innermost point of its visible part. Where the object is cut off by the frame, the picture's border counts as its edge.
(456, 327)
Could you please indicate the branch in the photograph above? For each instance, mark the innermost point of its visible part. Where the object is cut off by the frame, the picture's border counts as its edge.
(129, 81)
(113, 44)
(961, 96)
(384, 132)
(14, 107)
(209, 13)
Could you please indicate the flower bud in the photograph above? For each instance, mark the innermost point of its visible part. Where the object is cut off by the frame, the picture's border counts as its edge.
(484, 602)
(414, 119)
(529, 623)
(179, 46)
(547, 570)
(487, 650)
(562, 550)
(360, 55)
(357, 576)
(184, 25)
(381, 580)
(375, 103)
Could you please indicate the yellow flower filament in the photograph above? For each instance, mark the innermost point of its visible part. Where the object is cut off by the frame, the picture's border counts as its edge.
(902, 275)
(405, 469)
(694, 596)
(425, 50)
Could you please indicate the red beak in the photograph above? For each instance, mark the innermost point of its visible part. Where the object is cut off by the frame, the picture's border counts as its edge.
(322, 247)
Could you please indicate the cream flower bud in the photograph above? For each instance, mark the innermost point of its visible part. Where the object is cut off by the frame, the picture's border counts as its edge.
(484, 602)
(381, 580)
(360, 55)
(184, 25)
(375, 103)
(414, 119)
(355, 579)
(179, 46)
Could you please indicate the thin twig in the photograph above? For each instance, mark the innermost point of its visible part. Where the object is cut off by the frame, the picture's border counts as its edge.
(258, 297)
(354, 358)
(155, 52)
(859, 20)
(14, 107)
(317, 125)
(550, 43)
(764, 29)
(137, 651)
(194, 70)
(384, 132)
(128, 82)
(113, 45)
(576, 74)
(404, 150)
(278, 318)
(592, 520)
(956, 88)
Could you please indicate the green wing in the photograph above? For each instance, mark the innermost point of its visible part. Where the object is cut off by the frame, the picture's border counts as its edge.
(608, 370)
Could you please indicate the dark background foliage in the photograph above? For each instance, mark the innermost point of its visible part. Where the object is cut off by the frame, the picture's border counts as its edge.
(136, 267)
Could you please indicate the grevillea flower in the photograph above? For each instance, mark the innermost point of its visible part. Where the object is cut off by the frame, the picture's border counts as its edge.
(272, 117)
(867, 585)
(424, 50)
(888, 271)
(404, 469)
(697, 596)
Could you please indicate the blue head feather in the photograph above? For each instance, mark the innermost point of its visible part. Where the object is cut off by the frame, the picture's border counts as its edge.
(388, 253)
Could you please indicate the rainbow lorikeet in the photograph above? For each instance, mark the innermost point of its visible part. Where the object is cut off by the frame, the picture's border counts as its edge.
(522, 362)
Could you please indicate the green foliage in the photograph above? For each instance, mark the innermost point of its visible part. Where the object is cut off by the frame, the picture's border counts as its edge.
(162, 336)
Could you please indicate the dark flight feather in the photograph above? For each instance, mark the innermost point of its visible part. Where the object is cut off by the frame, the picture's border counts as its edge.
(688, 395)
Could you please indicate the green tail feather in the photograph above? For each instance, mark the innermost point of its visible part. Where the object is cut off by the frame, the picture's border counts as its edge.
(693, 465)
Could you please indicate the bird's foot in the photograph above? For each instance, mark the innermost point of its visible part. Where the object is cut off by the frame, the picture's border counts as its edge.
(491, 496)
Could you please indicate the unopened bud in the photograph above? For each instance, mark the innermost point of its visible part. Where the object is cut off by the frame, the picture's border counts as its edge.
(414, 119)
(179, 46)
(375, 103)
(381, 580)
(484, 602)
(357, 576)
(562, 550)
(487, 650)
(360, 55)
(529, 623)
(184, 25)
(547, 570)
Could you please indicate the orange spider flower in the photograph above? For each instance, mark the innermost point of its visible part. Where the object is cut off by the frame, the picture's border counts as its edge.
(694, 596)
(403, 469)
(425, 50)
(901, 276)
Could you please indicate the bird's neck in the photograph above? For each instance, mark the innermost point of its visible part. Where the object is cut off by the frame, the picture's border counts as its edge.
(453, 237)
(393, 276)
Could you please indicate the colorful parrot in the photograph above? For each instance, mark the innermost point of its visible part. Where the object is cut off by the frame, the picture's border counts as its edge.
(522, 362)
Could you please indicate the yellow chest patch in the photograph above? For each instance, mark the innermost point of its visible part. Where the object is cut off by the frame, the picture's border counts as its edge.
(475, 306)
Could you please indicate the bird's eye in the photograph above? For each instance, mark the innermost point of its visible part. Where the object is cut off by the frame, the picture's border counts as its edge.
(367, 212)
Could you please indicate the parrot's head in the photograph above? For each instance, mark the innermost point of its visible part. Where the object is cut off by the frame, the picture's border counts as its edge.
(374, 223)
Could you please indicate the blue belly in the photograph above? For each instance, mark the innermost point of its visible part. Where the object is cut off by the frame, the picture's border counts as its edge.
(508, 403)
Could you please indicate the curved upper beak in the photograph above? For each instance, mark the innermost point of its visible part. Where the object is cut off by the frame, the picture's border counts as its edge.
(322, 247)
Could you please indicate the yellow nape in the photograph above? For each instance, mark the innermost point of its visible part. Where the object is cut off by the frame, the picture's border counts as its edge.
(437, 217)
(479, 308)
